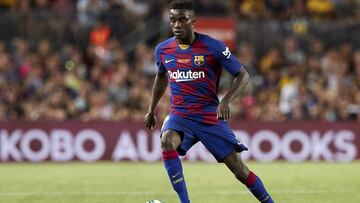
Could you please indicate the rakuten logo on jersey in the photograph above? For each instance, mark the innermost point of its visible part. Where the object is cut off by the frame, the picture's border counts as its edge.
(183, 76)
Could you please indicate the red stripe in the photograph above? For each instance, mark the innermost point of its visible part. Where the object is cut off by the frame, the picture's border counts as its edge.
(250, 181)
(162, 58)
(170, 154)
(177, 100)
(183, 61)
(210, 118)
(199, 48)
(210, 60)
(170, 48)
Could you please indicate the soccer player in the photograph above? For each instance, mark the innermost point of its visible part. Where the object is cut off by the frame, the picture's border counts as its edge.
(192, 63)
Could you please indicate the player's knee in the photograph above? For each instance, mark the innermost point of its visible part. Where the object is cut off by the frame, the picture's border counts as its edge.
(169, 141)
(166, 144)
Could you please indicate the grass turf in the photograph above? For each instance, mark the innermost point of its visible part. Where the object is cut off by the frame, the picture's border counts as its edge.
(137, 183)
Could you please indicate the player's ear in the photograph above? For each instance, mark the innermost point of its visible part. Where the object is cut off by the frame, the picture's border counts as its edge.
(193, 21)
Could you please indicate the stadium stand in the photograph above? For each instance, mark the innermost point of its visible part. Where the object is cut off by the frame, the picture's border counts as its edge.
(93, 59)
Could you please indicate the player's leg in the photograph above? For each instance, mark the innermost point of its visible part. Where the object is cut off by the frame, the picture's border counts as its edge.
(223, 145)
(247, 177)
(170, 141)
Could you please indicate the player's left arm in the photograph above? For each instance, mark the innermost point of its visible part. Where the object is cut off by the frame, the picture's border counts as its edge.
(234, 67)
(239, 83)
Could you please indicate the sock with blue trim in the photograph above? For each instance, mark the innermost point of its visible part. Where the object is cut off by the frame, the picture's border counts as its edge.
(173, 167)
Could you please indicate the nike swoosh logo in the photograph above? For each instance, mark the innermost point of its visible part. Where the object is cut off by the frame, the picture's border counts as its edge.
(174, 176)
(168, 61)
(266, 199)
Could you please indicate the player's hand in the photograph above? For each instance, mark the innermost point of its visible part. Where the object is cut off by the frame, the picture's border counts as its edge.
(223, 111)
(150, 120)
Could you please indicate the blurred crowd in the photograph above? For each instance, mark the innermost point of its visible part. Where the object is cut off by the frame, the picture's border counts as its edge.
(103, 68)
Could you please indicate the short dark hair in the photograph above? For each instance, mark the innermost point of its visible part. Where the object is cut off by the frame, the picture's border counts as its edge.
(182, 4)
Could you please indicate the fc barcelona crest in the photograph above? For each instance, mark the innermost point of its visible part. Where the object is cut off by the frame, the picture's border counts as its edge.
(199, 60)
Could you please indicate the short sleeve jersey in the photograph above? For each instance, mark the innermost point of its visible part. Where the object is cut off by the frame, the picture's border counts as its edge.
(194, 75)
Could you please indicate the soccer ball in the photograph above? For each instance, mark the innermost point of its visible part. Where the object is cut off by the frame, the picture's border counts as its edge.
(154, 201)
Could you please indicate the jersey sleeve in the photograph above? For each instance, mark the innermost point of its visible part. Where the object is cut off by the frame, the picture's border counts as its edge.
(160, 66)
(227, 59)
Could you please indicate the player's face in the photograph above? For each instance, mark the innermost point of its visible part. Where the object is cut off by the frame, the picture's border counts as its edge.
(182, 23)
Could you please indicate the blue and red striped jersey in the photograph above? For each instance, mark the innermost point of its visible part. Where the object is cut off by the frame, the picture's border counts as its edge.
(194, 74)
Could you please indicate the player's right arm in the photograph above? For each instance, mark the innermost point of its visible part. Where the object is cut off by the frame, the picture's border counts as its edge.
(160, 84)
(159, 88)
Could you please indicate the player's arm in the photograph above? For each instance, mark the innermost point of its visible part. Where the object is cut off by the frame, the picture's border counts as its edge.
(240, 81)
(159, 88)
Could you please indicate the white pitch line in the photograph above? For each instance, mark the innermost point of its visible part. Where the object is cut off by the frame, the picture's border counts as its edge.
(132, 193)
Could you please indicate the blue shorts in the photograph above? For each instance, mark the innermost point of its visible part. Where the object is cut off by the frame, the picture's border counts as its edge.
(217, 138)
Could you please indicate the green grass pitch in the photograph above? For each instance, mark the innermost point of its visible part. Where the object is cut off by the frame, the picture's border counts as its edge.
(107, 182)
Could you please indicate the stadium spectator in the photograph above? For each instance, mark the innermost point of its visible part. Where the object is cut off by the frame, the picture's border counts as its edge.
(100, 33)
(253, 9)
(276, 8)
(320, 9)
(89, 10)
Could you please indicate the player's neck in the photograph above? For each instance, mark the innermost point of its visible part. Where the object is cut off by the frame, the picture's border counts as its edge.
(187, 41)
